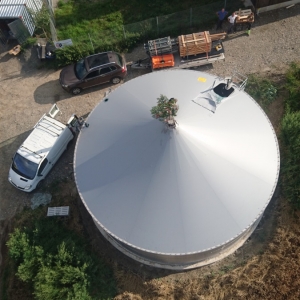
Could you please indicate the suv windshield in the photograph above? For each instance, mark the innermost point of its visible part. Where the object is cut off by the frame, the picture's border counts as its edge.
(80, 70)
(24, 167)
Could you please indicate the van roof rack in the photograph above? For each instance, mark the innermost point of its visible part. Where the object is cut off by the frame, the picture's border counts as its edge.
(32, 151)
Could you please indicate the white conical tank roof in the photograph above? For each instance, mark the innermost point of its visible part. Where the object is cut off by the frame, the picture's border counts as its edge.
(176, 191)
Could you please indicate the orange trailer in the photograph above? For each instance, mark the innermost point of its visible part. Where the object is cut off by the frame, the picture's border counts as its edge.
(162, 61)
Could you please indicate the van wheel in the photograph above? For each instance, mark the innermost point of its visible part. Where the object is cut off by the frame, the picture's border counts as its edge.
(38, 186)
(76, 91)
(116, 80)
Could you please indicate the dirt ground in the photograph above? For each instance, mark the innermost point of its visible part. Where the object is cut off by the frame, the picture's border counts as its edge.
(266, 267)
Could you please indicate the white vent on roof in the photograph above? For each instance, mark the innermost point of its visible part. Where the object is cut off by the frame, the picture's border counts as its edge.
(53, 111)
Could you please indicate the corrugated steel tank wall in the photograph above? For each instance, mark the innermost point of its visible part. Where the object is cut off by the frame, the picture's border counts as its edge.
(183, 261)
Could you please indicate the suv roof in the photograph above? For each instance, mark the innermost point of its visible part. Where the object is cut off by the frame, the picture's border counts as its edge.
(97, 60)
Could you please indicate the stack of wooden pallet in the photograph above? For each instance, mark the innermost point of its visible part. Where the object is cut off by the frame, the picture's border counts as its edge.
(244, 16)
(197, 43)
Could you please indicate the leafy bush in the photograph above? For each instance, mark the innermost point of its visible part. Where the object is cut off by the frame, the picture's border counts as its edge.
(290, 133)
(28, 43)
(290, 130)
(57, 265)
(41, 20)
(290, 136)
(293, 87)
(262, 90)
(70, 54)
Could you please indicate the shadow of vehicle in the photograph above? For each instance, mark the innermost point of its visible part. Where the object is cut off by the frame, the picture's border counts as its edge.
(7, 191)
(50, 92)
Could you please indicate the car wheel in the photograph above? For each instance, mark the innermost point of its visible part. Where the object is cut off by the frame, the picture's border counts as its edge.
(116, 80)
(76, 91)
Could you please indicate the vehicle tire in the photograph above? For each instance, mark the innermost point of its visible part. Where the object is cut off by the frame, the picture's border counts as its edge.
(76, 91)
(40, 183)
(116, 80)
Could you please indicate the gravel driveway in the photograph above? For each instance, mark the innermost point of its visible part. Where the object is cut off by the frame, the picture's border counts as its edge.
(28, 90)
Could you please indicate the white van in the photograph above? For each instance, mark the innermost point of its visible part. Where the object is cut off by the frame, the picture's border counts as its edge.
(40, 151)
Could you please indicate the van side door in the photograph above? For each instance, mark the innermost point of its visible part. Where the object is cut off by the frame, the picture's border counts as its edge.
(44, 168)
(60, 147)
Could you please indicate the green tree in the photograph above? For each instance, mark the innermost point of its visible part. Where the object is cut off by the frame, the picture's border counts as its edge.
(293, 87)
(62, 276)
(165, 108)
(56, 264)
(41, 20)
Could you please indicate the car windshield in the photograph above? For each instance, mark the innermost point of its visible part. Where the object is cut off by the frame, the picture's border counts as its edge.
(24, 167)
(80, 70)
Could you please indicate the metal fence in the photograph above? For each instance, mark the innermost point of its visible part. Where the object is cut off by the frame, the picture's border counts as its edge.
(198, 18)
(195, 19)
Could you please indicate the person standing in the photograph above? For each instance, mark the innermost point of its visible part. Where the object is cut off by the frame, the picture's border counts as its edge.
(231, 20)
(221, 16)
(250, 20)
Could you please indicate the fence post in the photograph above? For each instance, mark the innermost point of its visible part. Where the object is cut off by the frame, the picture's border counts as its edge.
(157, 26)
(191, 17)
(124, 33)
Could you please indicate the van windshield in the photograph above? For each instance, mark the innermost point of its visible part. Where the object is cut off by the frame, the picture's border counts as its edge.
(80, 69)
(24, 167)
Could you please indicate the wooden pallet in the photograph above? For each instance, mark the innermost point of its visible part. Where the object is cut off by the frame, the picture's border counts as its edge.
(243, 16)
(61, 211)
(218, 36)
(243, 12)
(15, 50)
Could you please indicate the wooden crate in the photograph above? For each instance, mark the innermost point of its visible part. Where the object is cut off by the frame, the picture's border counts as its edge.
(195, 43)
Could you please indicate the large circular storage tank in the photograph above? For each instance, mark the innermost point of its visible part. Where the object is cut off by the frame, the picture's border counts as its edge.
(176, 198)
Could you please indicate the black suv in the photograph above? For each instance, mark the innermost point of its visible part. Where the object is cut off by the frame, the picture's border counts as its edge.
(93, 70)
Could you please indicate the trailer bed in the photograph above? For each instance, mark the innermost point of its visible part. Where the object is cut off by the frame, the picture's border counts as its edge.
(200, 59)
(193, 61)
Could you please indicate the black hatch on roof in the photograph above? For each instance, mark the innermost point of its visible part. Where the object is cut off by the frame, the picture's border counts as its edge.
(97, 60)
